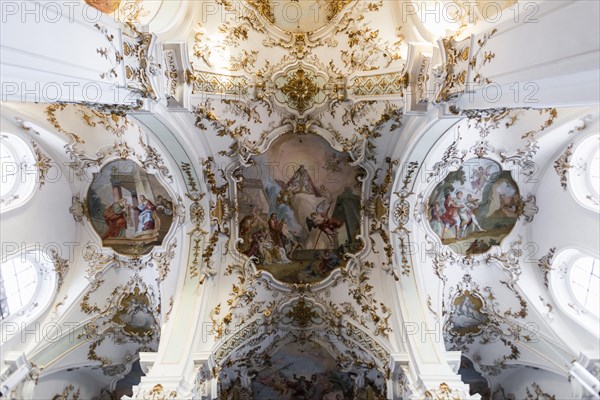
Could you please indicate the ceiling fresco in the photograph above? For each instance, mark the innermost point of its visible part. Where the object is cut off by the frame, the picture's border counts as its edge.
(475, 207)
(130, 210)
(300, 209)
(305, 371)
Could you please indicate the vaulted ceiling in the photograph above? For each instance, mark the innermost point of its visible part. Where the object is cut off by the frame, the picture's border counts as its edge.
(301, 160)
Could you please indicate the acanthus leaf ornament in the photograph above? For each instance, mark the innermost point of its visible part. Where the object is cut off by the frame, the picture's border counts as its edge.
(545, 265)
(300, 90)
(401, 214)
(43, 163)
(153, 159)
(377, 209)
(562, 165)
(452, 157)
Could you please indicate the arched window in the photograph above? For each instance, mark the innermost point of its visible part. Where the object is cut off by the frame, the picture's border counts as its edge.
(584, 278)
(27, 282)
(18, 172)
(574, 282)
(584, 175)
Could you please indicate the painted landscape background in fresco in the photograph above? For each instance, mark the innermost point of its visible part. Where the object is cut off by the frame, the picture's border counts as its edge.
(474, 207)
(299, 209)
(129, 208)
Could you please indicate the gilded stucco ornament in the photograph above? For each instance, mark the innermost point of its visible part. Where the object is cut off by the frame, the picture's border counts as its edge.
(394, 83)
(376, 313)
(43, 163)
(377, 207)
(142, 70)
(158, 392)
(461, 67)
(61, 267)
(401, 214)
(445, 392)
(486, 121)
(68, 393)
(153, 160)
(112, 117)
(562, 165)
(475, 316)
(79, 161)
(509, 260)
(208, 82)
(111, 54)
(523, 157)
(196, 267)
(300, 89)
(129, 314)
(537, 393)
(545, 265)
(302, 313)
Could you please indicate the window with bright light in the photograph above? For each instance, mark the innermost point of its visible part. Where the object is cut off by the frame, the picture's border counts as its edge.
(574, 282)
(18, 284)
(18, 172)
(27, 285)
(585, 281)
(594, 171)
(584, 174)
(7, 158)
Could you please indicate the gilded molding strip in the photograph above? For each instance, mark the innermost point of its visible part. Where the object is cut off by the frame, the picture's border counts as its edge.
(380, 85)
(208, 82)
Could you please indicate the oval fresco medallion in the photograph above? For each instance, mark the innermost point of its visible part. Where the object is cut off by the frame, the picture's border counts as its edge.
(475, 207)
(129, 208)
(299, 209)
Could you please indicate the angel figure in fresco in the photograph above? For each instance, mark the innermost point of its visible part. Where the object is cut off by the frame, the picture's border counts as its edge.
(146, 208)
(479, 179)
(115, 216)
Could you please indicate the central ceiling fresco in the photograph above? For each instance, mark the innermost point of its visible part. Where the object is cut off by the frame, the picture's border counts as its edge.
(300, 209)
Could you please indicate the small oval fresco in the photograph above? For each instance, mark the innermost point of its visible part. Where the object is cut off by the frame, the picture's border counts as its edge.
(130, 210)
(468, 316)
(475, 207)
